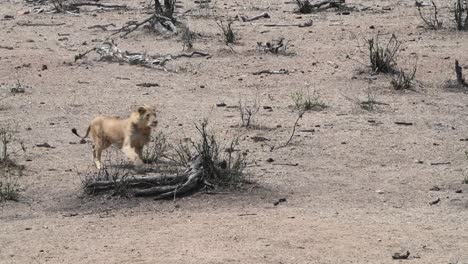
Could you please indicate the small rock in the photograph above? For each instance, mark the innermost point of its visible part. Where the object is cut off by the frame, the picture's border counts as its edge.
(401, 255)
(222, 104)
(435, 188)
(259, 139)
(458, 191)
(44, 145)
(28, 228)
(44, 67)
(372, 27)
(380, 192)
(266, 107)
(8, 17)
(202, 86)
(281, 200)
(436, 201)
(270, 160)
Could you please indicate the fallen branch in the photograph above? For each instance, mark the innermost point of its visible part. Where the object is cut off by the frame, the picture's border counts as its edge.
(246, 19)
(131, 26)
(30, 24)
(293, 131)
(308, 23)
(106, 5)
(103, 27)
(108, 51)
(281, 71)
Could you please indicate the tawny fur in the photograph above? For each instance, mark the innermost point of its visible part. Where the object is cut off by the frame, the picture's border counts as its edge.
(130, 134)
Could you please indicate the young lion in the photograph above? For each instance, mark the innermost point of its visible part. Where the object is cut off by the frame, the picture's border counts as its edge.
(129, 134)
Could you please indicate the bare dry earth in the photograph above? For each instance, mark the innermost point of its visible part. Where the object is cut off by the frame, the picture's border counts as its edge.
(333, 213)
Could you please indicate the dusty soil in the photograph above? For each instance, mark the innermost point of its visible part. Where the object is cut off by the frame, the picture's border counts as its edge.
(360, 191)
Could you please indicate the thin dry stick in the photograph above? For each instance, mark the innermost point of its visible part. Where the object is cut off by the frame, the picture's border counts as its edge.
(293, 131)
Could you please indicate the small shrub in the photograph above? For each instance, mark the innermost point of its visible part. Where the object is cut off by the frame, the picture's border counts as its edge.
(223, 169)
(461, 15)
(187, 37)
(9, 170)
(228, 33)
(182, 153)
(403, 80)
(156, 149)
(304, 6)
(383, 57)
(370, 104)
(432, 19)
(306, 102)
(248, 112)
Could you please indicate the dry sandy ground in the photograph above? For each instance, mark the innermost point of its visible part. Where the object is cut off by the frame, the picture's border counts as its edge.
(333, 212)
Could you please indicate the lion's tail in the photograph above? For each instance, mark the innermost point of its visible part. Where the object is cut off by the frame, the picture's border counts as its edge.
(82, 138)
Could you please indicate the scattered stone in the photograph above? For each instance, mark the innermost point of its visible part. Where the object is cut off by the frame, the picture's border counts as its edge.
(147, 84)
(44, 145)
(436, 201)
(401, 255)
(380, 192)
(44, 67)
(435, 188)
(259, 139)
(8, 17)
(28, 228)
(270, 160)
(266, 107)
(458, 191)
(222, 104)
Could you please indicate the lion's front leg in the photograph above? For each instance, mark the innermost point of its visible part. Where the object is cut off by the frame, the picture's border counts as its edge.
(131, 153)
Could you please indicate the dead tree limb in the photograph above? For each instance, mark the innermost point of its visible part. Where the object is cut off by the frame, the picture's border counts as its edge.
(305, 24)
(281, 71)
(103, 27)
(30, 24)
(106, 5)
(262, 15)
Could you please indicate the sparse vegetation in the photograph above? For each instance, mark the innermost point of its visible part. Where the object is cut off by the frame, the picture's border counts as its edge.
(432, 18)
(304, 102)
(156, 149)
(247, 112)
(461, 15)
(187, 37)
(402, 80)
(370, 104)
(229, 37)
(304, 6)
(9, 170)
(383, 56)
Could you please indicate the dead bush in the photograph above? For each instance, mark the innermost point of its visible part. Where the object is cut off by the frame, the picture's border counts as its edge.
(461, 15)
(9, 170)
(403, 80)
(221, 168)
(430, 18)
(307, 103)
(229, 37)
(156, 149)
(383, 56)
(247, 111)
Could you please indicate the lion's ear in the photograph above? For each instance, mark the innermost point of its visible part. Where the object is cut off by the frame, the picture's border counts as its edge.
(141, 110)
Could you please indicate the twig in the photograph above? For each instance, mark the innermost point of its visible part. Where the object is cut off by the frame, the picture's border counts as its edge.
(293, 131)
(103, 27)
(281, 71)
(262, 15)
(30, 24)
(107, 5)
(305, 24)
